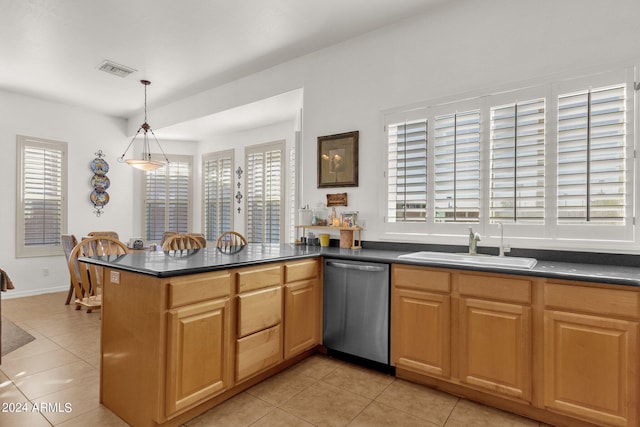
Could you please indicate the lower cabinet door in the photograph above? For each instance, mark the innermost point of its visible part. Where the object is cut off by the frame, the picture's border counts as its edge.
(495, 347)
(301, 317)
(257, 352)
(420, 332)
(199, 353)
(590, 367)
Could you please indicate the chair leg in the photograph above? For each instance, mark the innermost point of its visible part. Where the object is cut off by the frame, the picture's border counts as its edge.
(69, 294)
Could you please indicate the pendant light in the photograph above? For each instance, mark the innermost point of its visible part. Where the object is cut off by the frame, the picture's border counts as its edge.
(145, 163)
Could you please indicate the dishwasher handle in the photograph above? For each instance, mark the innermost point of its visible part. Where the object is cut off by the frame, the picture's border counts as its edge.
(359, 267)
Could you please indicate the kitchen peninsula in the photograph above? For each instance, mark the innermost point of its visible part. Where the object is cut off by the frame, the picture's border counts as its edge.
(183, 331)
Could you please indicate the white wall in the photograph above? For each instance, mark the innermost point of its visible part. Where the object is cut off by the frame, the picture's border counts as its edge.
(85, 133)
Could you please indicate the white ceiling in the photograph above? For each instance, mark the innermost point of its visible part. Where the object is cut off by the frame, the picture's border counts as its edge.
(51, 49)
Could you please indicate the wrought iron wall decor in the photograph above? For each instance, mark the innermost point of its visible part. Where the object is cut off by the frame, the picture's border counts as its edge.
(100, 182)
(239, 194)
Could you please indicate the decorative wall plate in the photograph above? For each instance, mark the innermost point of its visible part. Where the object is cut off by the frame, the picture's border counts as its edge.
(100, 182)
(99, 198)
(99, 166)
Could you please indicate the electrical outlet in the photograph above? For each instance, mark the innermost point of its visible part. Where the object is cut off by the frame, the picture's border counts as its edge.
(45, 272)
(115, 277)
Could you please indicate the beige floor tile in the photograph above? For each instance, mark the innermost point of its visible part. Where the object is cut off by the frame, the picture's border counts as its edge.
(316, 366)
(326, 405)
(240, 411)
(100, 416)
(468, 414)
(377, 414)
(9, 392)
(365, 382)
(41, 345)
(56, 379)
(29, 365)
(279, 418)
(282, 387)
(422, 402)
(25, 418)
(71, 402)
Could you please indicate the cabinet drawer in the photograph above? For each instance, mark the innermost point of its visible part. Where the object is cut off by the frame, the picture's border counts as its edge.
(201, 287)
(258, 351)
(300, 270)
(420, 278)
(258, 310)
(257, 278)
(495, 287)
(609, 302)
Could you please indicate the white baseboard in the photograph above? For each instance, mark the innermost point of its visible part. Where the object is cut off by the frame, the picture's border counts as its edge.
(19, 294)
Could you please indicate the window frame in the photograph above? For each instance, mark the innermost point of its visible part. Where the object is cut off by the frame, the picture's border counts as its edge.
(217, 157)
(549, 234)
(173, 158)
(281, 146)
(22, 143)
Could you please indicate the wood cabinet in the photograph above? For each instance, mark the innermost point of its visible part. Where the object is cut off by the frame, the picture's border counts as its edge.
(259, 319)
(199, 340)
(495, 334)
(591, 353)
(420, 320)
(197, 367)
(564, 352)
(302, 303)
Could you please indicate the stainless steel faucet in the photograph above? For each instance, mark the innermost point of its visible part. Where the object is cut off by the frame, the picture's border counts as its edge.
(474, 238)
(501, 227)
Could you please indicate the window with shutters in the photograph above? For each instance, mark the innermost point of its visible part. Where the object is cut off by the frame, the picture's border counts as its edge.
(517, 162)
(555, 160)
(407, 171)
(264, 192)
(167, 198)
(457, 167)
(591, 156)
(42, 203)
(217, 199)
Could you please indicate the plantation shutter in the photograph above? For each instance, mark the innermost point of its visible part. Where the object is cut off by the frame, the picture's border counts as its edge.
(168, 199)
(591, 156)
(42, 205)
(407, 171)
(457, 167)
(517, 162)
(218, 194)
(264, 204)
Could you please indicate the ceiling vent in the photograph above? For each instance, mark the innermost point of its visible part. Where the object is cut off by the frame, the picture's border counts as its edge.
(116, 69)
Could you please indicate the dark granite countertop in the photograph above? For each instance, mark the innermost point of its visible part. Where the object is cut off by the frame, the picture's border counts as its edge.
(168, 264)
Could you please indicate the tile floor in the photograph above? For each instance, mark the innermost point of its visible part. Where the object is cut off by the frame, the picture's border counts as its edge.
(61, 367)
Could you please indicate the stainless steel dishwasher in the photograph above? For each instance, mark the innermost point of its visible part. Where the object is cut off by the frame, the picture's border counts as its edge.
(356, 309)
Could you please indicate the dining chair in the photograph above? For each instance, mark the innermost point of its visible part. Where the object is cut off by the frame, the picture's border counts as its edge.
(69, 242)
(113, 234)
(88, 283)
(200, 237)
(177, 242)
(231, 242)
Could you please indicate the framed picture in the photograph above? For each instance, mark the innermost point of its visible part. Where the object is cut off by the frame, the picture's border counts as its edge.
(338, 160)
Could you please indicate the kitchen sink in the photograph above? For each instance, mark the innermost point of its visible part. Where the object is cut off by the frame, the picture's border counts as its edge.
(466, 259)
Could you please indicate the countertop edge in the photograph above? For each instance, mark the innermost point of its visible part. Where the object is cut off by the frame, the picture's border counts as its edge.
(606, 274)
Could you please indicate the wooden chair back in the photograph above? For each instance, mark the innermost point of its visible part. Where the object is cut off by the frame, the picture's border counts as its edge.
(200, 237)
(231, 242)
(178, 242)
(69, 242)
(88, 284)
(113, 234)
